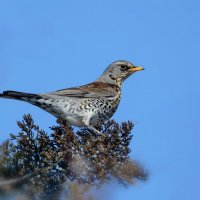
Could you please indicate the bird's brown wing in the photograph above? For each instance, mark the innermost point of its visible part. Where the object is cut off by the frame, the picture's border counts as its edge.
(92, 90)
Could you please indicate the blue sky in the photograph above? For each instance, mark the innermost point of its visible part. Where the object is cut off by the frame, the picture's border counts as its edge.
(49, 45)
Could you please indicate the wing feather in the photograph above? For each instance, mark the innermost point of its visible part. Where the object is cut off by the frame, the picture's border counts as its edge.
(92, 90)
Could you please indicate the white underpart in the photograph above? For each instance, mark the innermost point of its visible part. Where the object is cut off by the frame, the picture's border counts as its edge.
(68, 111)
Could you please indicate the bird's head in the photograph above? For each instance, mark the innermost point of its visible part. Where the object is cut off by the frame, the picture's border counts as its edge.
(118, 71)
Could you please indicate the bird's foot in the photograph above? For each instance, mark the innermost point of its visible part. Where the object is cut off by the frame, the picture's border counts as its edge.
(97, 133)
(86, 121)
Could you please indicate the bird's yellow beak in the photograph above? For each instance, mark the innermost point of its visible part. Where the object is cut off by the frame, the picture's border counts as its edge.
(135, 69)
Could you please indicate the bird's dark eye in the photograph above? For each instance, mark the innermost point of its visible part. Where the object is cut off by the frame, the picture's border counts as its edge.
(123, 67)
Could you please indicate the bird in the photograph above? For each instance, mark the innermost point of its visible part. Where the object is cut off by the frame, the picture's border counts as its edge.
(86, 105)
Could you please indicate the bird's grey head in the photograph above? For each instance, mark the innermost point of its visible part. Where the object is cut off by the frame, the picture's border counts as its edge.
(118, 71)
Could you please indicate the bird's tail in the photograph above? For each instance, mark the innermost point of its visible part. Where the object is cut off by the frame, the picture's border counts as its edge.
(18, 95)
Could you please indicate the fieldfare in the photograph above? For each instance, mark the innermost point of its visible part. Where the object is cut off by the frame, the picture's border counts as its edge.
(87, 105)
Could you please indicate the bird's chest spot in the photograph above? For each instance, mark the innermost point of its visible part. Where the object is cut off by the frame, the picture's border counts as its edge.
(112, 106)
(101, 109)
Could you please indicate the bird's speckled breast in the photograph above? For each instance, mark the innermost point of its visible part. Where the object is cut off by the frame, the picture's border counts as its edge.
(99, 110)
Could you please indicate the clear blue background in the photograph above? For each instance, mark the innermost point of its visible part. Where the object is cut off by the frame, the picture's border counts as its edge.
(48, 45)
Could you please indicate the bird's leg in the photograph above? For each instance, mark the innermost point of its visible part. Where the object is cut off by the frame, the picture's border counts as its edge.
(86, 121)
(96, 131)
